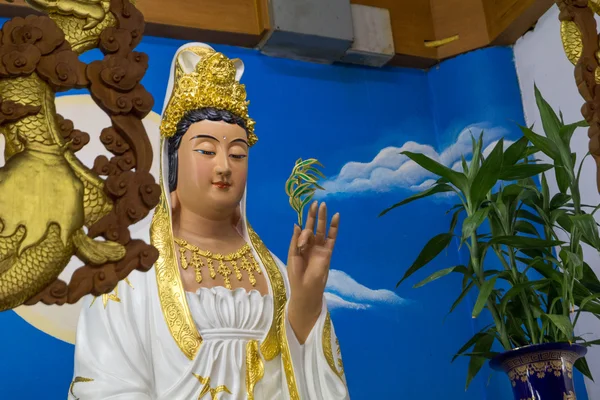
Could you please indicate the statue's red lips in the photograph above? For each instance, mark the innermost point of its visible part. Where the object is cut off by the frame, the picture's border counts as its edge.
(222, 185)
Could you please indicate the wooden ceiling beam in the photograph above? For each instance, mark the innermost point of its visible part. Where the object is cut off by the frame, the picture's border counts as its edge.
(416, 25)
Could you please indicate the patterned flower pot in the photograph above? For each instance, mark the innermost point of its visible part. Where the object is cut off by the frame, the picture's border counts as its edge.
(541, 372)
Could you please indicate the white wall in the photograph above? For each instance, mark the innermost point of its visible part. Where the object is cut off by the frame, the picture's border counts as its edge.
(540, 58)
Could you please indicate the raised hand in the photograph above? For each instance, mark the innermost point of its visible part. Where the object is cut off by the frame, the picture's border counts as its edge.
(308, 263)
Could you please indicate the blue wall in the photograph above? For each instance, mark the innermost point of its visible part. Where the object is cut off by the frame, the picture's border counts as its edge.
(397, 344)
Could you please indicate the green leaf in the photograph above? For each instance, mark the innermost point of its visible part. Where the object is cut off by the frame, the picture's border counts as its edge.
(559, 200)
(515, 152)
(526, 227)
(438, 188)
(484, 294)
(306, 177)
(455, 219)
(301, 189)
(522, 242)
(550, 120)
(516, 289)
(566, 131)
(476, 146)
(471, 342)
(587, 225)
(440, 274)
(542, 143)
(522, 171)
(488, 174)
(461, 296)
(562, 177)
(530, 216)
(483, 345)
(562, 322)
(456, 178)
(583, 367)
(472, 222)
(429, 252)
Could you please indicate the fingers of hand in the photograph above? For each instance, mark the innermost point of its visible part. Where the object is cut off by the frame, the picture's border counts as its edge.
(306, 240)
(294, 243)
(333, 231)
(312, 216)
(321, 225)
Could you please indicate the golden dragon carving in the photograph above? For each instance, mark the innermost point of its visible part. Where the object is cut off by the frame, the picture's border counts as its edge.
(47, 196)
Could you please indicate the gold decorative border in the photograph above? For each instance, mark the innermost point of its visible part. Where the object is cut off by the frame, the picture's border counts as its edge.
(255, 369)
(270, 347)
(327, 350)
(526, 359)
(288, 365)
(276, 340)
(170, 288)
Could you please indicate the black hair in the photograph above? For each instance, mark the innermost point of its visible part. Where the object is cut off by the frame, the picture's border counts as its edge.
(189, 118)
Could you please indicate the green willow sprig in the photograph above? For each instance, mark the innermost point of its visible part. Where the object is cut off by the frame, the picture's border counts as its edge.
(302, 185)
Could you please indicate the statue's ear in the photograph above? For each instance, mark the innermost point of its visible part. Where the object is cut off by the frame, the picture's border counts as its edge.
(239, 68)
(188, 61)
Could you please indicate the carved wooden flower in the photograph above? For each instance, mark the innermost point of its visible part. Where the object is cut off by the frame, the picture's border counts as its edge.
(63, 71)
(19, 59)
(40, 31)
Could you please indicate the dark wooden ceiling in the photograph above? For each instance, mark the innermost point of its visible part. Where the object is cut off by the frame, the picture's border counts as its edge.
(425, 31)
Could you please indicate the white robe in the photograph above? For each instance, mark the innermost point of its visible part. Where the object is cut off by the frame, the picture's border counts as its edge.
(125, 351)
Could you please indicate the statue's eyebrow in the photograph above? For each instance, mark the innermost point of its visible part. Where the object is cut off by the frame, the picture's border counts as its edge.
(205, 137)
(240, 140)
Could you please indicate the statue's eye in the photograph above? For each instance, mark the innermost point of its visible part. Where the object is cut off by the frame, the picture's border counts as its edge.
(238, 156)
(205, 152)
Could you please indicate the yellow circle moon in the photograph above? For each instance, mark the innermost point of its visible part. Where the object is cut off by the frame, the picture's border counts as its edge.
(61, 321)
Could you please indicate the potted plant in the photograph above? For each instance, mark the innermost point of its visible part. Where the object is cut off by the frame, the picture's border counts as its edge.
(526, 259)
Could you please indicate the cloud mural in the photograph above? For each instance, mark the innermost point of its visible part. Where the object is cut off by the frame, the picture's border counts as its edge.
(343, 291)
(391, 170)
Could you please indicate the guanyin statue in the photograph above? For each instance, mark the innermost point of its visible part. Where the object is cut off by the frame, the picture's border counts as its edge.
(218, 316)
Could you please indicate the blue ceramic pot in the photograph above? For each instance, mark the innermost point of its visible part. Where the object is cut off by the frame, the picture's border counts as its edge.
(541, 372)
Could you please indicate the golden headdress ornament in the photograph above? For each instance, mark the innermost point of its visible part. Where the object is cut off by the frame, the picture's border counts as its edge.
(212, 82)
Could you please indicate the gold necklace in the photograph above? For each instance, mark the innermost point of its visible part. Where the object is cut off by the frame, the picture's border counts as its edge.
(241, 259)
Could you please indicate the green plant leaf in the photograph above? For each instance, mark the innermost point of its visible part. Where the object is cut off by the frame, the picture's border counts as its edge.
(516, 289)
(542, 143)
(562, 177)
(522, 171)
(456, 178)
(484, 294)
(550, 120)
(562, 322)
(437, 188)
(521, 242)
(482, 345)
(439, 274)
(461, 296)
(515, 152)
(472, 222)
(526, 227)
(587, 225)
(559, 200)
(455, 219)
(488, 174)
(583, 367)
(471, 342)
(530, 216)
(566, 131)
(429, 252)
(475, 162)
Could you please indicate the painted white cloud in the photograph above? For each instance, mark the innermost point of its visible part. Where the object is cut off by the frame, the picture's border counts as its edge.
(334, 301)
(391, 170)
(343, 291)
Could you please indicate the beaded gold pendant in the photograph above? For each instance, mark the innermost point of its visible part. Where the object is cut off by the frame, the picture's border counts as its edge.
(238, 261)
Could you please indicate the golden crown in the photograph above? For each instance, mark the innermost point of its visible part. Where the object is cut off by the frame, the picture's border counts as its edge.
(212, 84)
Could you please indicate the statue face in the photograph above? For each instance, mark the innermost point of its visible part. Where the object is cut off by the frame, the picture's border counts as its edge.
(212, 168)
